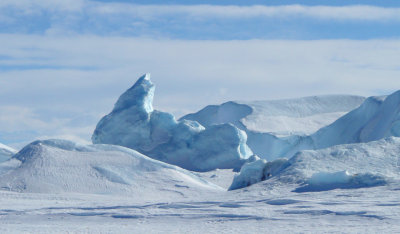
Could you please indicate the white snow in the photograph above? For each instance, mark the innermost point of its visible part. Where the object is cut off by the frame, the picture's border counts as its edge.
(134, 124)
(259, 208)
(220, 177)
(59, 166)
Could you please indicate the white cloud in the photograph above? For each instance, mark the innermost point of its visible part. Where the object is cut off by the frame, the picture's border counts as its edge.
(354, 12)
(150, 12)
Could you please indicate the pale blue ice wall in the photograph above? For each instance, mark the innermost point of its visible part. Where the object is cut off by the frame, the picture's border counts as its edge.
(134, 124)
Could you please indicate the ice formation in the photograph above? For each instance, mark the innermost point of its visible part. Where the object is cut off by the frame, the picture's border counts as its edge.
(279, 128)
(257, 171)
(59, 166)
(281, 132)
(342, 166)
(6, 152)
(134, 124)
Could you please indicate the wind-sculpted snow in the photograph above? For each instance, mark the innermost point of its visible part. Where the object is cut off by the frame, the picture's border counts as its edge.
(134, 124)
(343, 166)
(58, 166)
(279, 128)
(6, 152)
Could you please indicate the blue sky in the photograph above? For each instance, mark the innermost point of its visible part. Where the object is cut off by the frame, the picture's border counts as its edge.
(64, 63)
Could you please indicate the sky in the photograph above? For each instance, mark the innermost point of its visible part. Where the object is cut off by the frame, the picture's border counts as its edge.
(64, 63)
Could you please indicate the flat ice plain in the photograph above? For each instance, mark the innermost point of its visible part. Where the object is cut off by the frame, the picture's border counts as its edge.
(347, 183)
(253, 210)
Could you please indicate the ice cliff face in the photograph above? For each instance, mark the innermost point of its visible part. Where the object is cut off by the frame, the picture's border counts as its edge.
(134, 124)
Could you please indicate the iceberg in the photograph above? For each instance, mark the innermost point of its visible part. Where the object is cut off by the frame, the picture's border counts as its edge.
(60, 166)
(134, 123)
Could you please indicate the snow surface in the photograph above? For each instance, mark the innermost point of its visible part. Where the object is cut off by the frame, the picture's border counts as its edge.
(6, 152)
(256, 209)
(134, 124)
(59, 166)
(346, 188)
(343, 166)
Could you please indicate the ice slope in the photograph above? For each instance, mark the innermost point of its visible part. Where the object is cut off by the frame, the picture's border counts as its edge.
(279, 128)
(134, 124)
(59, 166)
(376, 118)
(6, 152)
(342, 166)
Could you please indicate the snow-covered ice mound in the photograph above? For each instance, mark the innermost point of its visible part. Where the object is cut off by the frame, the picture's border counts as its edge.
(6, 152)
(279, 128)
(376, 118)
(301, 116)
(134, 124)
(342, 166)
(59, 166)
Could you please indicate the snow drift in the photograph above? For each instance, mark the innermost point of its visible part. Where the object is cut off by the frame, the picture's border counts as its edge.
(6, 152)
(342, 166)
(279, 128)
(134, 124)
(59, 166)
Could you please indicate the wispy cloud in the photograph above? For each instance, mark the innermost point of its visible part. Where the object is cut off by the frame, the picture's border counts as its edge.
(352, 12)
(356, 12)
(64, 17)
